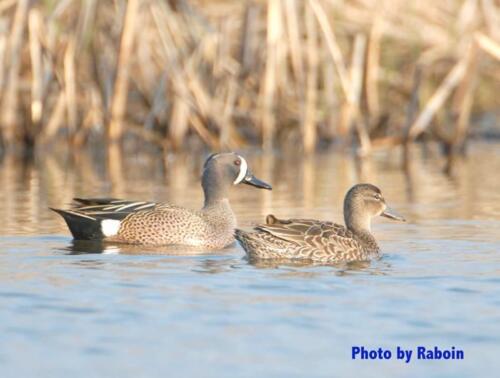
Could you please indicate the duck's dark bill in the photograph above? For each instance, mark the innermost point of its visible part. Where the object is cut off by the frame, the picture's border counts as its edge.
(254, 181)
(391, 214)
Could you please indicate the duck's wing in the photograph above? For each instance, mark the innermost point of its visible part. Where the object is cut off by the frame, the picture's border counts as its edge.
(315, 233)
(110, 208)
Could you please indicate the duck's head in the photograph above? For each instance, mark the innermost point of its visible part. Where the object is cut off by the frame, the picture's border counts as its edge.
(362, 203)
(223, 170)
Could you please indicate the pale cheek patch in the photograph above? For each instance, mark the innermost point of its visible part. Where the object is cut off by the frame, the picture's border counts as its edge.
(243, 171)
(110, 227)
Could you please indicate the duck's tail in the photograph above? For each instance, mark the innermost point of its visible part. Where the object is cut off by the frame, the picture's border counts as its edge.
(82, 226)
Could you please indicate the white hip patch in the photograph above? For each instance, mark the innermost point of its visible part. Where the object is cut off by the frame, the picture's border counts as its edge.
(110, 227)
(243, 171)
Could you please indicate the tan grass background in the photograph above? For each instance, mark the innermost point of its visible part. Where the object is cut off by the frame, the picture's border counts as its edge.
(232, 73)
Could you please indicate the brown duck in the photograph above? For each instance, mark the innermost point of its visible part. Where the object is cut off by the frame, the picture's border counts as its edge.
(151, 223)
(322, 241)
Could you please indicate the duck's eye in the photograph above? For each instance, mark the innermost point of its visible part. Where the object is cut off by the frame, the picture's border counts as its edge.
(237, 162)
(377, 196)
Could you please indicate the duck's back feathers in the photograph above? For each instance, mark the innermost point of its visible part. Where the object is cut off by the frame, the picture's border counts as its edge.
(298, 230)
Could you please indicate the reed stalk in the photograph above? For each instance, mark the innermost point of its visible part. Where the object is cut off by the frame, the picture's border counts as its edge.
(489, 45)
(357, 70)
(274, 34)
(333, 46)
(294, 39)
(10, 119)
(437, 99)
(310, 118)
(120, 93)
(70, 86)
(34, 24)
(373, 67)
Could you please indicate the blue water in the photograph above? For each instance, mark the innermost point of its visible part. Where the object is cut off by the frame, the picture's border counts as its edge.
(123, 313)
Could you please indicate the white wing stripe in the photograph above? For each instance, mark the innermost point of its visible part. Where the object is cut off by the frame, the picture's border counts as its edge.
(118, 208)
(80, 214)
(145, 206)
(111, 208)
(121, 208)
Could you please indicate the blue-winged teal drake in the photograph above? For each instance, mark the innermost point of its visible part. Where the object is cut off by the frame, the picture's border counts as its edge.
(150, 223)
(314, 240)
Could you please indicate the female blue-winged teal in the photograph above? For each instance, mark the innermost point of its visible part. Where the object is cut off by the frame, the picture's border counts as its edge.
(150, 223)
(309, 239)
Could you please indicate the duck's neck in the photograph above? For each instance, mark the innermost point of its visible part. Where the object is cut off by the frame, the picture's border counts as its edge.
(214, 189)
(221, 222)
(359, 223)
(220, 212)
(220, 215)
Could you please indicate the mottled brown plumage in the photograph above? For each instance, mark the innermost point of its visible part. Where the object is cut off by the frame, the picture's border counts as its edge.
(150, 223)
(322, 241)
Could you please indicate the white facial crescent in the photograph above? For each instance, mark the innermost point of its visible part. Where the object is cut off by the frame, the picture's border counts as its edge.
(243, 171)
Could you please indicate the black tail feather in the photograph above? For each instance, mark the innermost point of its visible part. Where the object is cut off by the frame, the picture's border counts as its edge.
(83, 227)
